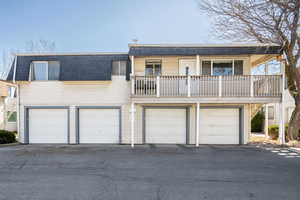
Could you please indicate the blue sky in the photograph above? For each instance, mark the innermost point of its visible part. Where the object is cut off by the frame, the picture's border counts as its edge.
(100, 25)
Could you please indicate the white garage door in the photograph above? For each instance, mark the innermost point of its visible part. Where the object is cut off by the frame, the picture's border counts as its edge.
(219, 126)
(48, 126)
(165, 126)
(99, 126)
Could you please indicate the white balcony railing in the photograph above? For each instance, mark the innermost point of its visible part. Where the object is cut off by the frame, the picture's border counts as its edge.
(207, 86)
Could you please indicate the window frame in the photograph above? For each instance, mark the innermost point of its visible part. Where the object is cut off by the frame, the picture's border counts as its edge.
(119, 67)
(32, 66)
(222, 59)
(153, 62)
(13, 113)
(47, 69)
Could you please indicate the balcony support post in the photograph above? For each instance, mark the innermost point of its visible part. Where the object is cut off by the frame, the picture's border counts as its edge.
(197, 65)
(132, 65)
(132, 76)
(157, 86)
(132, 110)
(189, 85)
(132, 85)
(282, 107)
(220, 86)
(197, 124)
(266, 121)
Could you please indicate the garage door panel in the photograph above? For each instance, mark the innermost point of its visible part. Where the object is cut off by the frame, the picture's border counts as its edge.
(219, 126)
(165, 126)
(48, 126)
(99, 125)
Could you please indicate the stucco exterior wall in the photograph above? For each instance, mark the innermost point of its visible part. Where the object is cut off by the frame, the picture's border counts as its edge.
(57, 93)
(112, 93)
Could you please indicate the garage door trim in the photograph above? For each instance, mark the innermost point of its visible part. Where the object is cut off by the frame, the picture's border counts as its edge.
(187, 119)
(97, 107)
(241, 118)
(26, 120)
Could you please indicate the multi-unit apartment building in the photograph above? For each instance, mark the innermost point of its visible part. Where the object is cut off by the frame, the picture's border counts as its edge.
(154, 94)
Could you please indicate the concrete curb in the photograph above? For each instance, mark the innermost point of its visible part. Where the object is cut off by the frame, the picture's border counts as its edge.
(10, 144)
(294, 149)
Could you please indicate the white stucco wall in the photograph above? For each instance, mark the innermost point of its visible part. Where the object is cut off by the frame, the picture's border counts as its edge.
(106, 93)
(57, 93)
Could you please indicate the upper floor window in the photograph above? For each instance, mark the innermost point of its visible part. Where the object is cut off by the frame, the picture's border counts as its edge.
(119, 68)
(45, 70)
(222, 67)
(153, 67)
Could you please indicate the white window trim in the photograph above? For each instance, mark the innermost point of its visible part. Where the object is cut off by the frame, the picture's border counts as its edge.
(220, 59)
(47, 70)
(32, 65)
(119, 68)
(153, 67)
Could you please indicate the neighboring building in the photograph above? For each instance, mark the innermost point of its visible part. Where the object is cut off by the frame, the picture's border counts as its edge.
(158, 94)
(8, 114)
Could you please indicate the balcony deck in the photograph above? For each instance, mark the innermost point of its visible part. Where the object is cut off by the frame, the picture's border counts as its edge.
(235, 89)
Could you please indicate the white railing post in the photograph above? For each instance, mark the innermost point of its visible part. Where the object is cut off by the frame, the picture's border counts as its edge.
(220, 86)
(189, 85)
(251, 86)
(132, 85)
(197, 124)
(157, 86)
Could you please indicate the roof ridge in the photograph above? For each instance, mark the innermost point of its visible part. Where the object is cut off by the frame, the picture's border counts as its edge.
(71, 53)
(205, 45)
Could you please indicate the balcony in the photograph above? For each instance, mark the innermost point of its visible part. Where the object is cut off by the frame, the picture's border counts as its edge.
(237, 86)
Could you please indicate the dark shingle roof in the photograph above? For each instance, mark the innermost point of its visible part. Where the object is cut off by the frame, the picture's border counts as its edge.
(95, 67)
(201, 50)
(72, 67)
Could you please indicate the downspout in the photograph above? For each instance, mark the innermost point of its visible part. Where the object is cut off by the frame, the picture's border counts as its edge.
(15, 69)
(18, 98)
(18, 111)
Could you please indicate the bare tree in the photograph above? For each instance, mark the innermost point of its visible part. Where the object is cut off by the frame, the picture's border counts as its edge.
(7, 59)
(264, 21)
(40, 46)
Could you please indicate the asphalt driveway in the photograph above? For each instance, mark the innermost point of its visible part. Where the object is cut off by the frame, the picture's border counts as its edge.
(148, 172)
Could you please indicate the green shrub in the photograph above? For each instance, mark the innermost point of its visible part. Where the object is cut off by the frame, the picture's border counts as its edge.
(7, 137)
(273, 131)
(257, 123)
